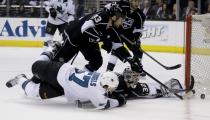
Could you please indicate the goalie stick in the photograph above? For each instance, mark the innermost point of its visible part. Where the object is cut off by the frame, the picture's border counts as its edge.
(166, 67)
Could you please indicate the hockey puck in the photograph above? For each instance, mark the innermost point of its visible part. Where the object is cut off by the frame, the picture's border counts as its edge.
(203, 96)
(193, 91)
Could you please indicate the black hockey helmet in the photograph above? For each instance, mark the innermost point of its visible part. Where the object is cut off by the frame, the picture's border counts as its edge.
(121, 8)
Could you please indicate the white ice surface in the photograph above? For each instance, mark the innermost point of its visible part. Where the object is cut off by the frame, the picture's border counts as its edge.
(15, 106)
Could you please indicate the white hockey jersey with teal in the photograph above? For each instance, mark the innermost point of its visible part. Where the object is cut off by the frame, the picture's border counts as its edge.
(65, 11)
(84, 86)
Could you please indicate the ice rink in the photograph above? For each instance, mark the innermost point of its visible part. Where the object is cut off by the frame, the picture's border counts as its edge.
(15, 106)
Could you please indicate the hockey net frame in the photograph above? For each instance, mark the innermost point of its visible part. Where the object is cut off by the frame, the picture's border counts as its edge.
(191, 50)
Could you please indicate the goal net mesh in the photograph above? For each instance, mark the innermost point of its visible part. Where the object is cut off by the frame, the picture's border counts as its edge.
(200, 53)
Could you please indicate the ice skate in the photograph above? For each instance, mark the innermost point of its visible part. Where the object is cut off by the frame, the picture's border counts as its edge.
(14, 81)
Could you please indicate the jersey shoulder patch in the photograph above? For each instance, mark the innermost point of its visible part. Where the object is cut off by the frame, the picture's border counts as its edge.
(127, 23)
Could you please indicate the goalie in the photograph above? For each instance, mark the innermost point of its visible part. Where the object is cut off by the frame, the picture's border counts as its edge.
(131, 87)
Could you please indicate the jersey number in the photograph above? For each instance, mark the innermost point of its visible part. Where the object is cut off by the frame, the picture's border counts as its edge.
(97, 18)
(84, 82)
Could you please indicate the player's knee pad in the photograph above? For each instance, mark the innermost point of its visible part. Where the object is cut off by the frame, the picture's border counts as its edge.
(32, 90)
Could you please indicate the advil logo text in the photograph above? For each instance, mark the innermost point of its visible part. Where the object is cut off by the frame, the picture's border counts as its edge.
(23, 30)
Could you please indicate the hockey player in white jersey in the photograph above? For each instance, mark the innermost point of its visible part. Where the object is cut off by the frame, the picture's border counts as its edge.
(61, 12)
(103, 90)
(77, 85)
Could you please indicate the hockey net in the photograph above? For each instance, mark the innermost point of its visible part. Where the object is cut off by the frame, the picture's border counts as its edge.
(198, 53)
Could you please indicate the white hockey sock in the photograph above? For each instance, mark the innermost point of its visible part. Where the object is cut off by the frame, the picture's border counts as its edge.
(22, 80)
(32, 90)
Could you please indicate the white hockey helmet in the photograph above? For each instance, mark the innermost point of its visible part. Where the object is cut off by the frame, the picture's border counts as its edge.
(109, 81)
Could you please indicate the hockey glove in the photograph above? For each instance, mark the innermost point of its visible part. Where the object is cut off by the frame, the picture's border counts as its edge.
(120, 98)
(135, 65)
(53, 13)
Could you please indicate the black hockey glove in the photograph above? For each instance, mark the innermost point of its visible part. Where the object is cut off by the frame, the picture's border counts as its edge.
(120, 98)
(135, 65)
(53, 13)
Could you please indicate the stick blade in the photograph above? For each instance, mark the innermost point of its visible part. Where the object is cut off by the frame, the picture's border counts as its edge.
(174, 67)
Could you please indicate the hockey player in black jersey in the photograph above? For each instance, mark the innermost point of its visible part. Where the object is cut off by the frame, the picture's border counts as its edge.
(84, 35)
(130, 34)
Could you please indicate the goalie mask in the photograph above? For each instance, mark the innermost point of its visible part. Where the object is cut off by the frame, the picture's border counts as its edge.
(109, 81)
(130, 77)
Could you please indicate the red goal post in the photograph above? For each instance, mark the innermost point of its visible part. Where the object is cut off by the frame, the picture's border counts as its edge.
(197, 52)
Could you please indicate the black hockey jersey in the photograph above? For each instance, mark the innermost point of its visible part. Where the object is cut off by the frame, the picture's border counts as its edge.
(91, 28)
(97, 27)
(131, 31)
(133, 24)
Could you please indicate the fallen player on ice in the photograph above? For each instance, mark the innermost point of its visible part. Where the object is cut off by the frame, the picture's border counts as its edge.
(104, 90)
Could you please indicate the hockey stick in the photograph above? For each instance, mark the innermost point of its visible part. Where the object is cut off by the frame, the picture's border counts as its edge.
(62, 20)
(166, 67)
